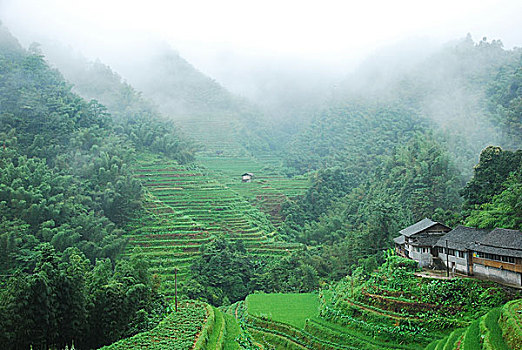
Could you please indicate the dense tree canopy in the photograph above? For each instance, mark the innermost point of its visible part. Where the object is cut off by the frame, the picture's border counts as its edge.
(65, 301)
(66, 193)
(494, 167)
(379, 158)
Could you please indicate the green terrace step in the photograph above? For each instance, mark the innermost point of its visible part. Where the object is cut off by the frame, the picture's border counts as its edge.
(166, 253)
(166, 243)
(171, 248)
(188, 206)
(168, 238)
(491, 331)
(162, 262)
(342, 335)
(450, 342)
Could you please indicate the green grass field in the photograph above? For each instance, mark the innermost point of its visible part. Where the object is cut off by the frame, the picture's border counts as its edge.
(290, 308)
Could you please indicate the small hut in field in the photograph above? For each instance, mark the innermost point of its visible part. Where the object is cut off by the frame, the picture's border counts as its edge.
(247, 177)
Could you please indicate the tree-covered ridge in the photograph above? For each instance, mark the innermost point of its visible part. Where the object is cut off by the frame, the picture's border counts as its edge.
(38, 104)
(353, 135)
(65, 178)
(66, 301)
(492, 197)
(66, 194)
(456, 86)
(38, 205)
(505, 102)
(133, 115)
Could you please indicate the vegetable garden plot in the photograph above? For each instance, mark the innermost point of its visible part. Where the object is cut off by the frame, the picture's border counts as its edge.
(179, 331)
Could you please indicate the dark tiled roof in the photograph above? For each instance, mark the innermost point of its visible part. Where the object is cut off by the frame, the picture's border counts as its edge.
(501, 241)
(400, 240)
(503, 238)
(417, 227)
(461, 237)
(428, 240)
(517, 253)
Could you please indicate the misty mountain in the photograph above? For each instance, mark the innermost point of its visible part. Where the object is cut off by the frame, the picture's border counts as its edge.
(404, 139)
(289, 90)
(448, 90)
(178, 88)
(449, 86)
(166, 85)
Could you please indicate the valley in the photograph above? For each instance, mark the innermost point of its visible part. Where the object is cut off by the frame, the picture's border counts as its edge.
(173, 214)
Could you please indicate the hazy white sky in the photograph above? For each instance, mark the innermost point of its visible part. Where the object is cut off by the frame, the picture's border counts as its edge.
(324, 31)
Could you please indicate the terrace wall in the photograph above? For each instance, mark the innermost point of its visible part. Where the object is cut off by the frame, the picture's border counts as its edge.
(497, 274)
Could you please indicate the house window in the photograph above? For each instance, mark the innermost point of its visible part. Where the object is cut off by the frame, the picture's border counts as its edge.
(508, 259)
(440, 250)
(460, 253)
(451, 251)
(503, 258)
(425, 250)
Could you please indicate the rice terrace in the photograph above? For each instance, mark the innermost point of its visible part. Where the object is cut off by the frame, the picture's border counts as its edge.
(286, 175)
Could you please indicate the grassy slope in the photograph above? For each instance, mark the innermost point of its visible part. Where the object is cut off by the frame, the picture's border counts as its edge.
(291, 308)
(499, 329)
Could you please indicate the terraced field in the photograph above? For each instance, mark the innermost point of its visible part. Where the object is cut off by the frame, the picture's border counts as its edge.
(268, 190)
(180, 330)
(215, 134)
(186, 207)
(389, 309)
(196, 326)
(499, 329)
(282, 331)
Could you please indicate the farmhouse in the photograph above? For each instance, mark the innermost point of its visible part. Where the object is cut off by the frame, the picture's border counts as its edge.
(455, 248)
(418, 240)
(495, 255)
(491, 254)
(247, 177)
(498, 256)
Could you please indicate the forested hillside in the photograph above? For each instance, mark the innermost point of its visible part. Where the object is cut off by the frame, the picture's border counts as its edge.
(398, 144)
(216, 120)
(469, 91)
(108, 191)
(66, 193)
(221, 122)
(462, 87)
